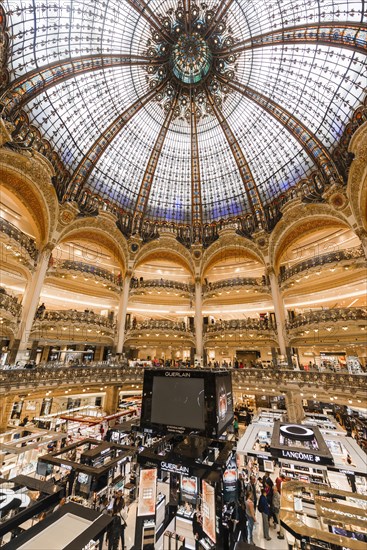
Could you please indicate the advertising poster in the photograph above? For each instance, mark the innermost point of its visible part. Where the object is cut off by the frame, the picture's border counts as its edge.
(189, 489)
(147, 492)
(208, 511)
(230, 485)
(224, 402)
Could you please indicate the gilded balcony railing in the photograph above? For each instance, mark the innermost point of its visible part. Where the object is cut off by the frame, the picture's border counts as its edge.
(9, 304)
(160, 284)
(72, 324)
(160, 325)
(107, 278)
(241, 324)
(259, 283)
(318, 261)
(252, 379)
(21, 241)
(334, 315)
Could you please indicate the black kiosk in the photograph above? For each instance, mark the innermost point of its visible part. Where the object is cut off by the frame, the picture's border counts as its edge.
(182, 475)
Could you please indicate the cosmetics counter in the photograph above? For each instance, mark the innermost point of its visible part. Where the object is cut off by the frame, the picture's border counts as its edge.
(20, 449)
(180, 476)
(323, 518)
(91, 467)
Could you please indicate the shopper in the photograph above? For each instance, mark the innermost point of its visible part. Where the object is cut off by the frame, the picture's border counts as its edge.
(251, 517)
(276, 510)
(114, 531)
(123, 515)
(264, 509)
(241, 532)
(235, 426)
(278, 482)
(251, 487)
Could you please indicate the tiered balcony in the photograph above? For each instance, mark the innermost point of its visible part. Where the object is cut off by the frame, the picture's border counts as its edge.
(80, 271)
(328, 322)
(313, 265)
(241, 329)
(160, 286)
(247, 284)
(10, 311)
(73, 325)
(156, 329)
(17, 244)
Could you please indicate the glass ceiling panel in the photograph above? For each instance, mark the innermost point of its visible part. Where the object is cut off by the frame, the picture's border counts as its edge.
(319, 84)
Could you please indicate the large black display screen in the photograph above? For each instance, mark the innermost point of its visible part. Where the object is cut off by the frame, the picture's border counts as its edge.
(178, 402)
(224, 401)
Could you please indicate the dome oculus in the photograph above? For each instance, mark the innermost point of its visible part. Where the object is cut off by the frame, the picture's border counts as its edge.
(191, 59)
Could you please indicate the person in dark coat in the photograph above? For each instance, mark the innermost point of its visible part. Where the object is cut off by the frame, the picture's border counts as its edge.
(264, 509)
(114, 532)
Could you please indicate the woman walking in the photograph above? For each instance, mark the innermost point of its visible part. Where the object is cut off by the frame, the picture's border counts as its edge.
(251, 518)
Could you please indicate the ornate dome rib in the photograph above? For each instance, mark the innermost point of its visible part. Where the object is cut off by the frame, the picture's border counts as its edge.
(175, 111)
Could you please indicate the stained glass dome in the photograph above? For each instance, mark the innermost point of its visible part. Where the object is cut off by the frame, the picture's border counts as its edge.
(184, 112)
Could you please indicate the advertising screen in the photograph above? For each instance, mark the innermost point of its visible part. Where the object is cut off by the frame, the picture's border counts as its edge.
(208, 511)
(179, 402)
(147, 492)
(189, 489)
(224, 402)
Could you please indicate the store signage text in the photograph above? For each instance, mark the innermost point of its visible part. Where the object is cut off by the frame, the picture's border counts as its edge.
(299, 455)
(180, 374)
(348, 515)
(175, 468)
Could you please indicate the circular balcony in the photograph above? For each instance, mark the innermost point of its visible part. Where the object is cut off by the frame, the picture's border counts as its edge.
(17, 244)
(72, 325)
(10, 311)
(85, 273)
(160, 286)
(328, 324)
(340, 258)
(229, 286)
(241, 330)
(158, 330)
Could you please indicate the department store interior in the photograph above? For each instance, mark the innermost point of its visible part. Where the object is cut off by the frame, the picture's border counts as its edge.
(183, 275)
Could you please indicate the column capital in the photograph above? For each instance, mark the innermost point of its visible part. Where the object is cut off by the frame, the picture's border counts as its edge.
(197, 280)
(269, 271)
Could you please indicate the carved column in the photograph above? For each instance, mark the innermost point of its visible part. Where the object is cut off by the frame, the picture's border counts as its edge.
(198, 318)
(121, 320)
(294, 405)
(111, 400)
(31, 298)
(6, 406)
(279, 311)
(362, 235)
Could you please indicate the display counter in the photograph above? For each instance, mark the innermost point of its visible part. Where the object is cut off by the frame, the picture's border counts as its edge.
(325, 518)
(19, 453)
(23, 498)
(92, 465)
(69, 528)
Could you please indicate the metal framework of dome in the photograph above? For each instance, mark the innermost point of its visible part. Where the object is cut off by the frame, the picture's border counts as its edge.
(186, 113)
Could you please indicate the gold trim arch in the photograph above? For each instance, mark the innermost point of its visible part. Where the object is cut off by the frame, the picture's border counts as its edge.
(305, 218)
(106, 234)
(226, 244)
(28, 178)
(166, 248)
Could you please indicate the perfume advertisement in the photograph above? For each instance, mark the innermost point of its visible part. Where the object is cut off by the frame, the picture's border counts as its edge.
(224, 402)
(147, 492)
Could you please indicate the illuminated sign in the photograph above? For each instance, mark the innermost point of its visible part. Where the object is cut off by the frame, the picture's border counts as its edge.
(175, 468)
(179, 374)
(299, 455)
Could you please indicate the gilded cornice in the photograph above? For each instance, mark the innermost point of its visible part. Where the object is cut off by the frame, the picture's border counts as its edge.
(357, 180)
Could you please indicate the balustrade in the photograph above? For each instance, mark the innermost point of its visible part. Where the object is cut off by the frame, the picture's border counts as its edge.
(241, 324)
(328, 316)
(160, 325)
(238, 281)
(87, 269)
(161, 284)
(254, 378)
(10, 305)
(75, 317)
(24, 242)
(319, 261)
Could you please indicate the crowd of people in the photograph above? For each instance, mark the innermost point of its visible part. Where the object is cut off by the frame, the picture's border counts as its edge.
(258, 502)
